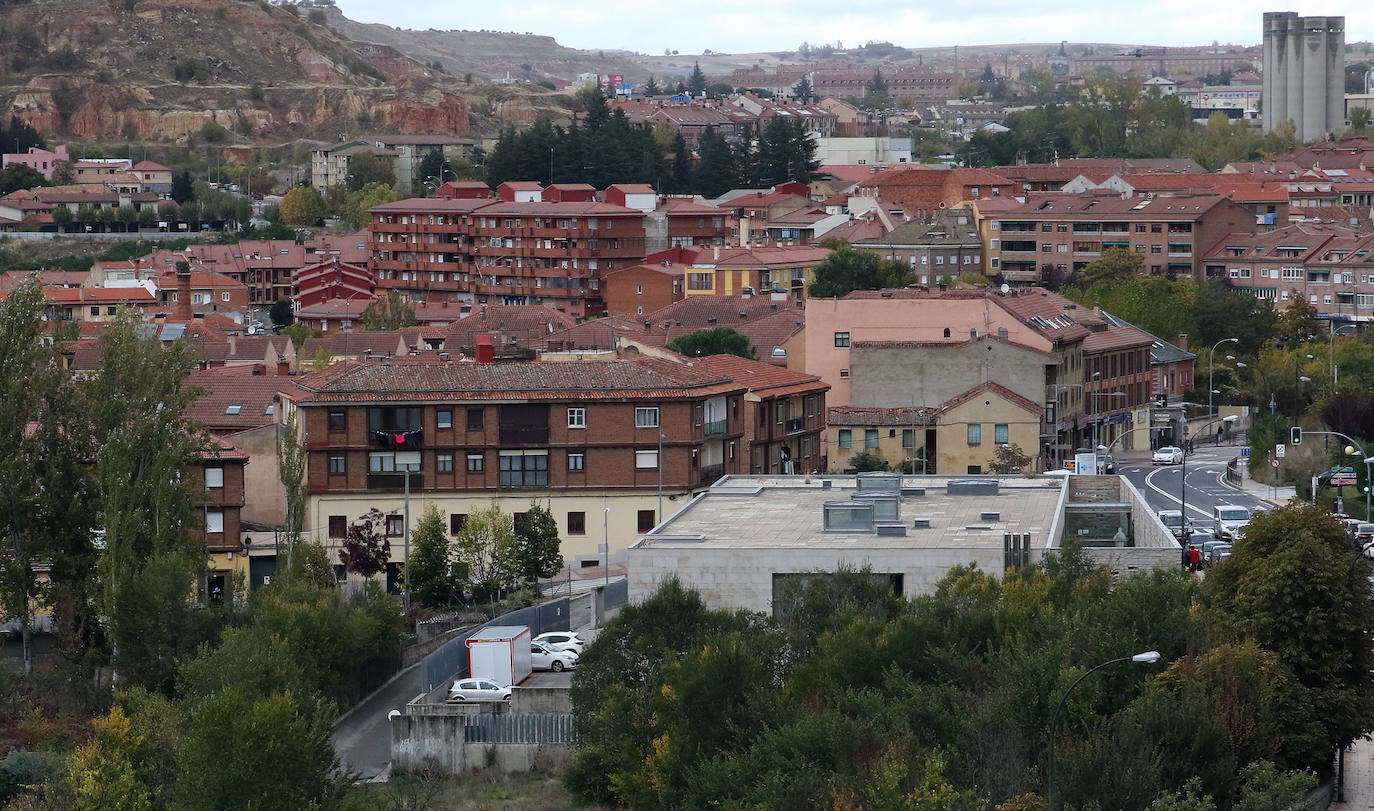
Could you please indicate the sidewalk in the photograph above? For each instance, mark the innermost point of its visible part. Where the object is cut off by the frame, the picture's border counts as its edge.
(1278, 496)
(1359, 776)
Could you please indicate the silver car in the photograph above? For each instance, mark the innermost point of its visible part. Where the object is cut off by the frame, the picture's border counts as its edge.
(479, 690)
(543, 657)
(1167, 455)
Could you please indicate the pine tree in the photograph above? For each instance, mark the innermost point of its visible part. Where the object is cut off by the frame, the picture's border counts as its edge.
(717, 171)
(803, 89)
(537, 544)
(429, 577)
(696, 83)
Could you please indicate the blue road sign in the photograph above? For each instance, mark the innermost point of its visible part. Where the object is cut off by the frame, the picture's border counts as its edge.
(1245, 453)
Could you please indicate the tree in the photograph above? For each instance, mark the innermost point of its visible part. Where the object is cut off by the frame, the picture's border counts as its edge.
(18, 176)
(536, 544)
(1297, 323)
(301, 206)
(714, 341)
(436, 167)
(802, 89)
(356, 205)
(1294, 569)
(282, 314)
(1359, 119)
(651, 87)
(864, 462)
(260, 181)
(128, 218)
(875, 92)
(429, 577)
(717, 172)
(365, 549)
(782, 153)
(62, 217)
(181, 187)
(365, 168)
(696, 83)
(291, 456)
(487, 547)
(390, 312)
(847, 269)
(1009, 459)
(1115, 265)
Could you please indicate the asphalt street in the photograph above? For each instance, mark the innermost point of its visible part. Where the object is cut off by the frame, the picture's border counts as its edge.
(1206, 485)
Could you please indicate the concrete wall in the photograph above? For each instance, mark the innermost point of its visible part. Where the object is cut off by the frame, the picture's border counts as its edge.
(894, 377)
(535, 700)
(264, 499)
(437, 741)
(953, 453)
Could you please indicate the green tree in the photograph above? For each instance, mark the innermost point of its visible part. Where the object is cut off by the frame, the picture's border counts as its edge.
(537, 546)
(301, 206)
(803, 90)
(291, 456)
(355, 209)
(430, 573)
(875, 92)
(1010, 459)
(487, 548)
(847, 269)
(128, 218)
(282, 313)
(696, 82)
(1359, 119)
(1294, 569)
(864, 462)
(782, 153)
(62, 217)
(718, 170)
(651, 87)
(18, 176)
(181, 187)
(436, 168)
(390, 312)
(365, 168)
(1116, 265)
(714, 341)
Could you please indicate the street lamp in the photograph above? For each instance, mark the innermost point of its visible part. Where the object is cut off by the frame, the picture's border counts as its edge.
(606, 537)
(1147, 658)
(1209, 369)
(1097, 421)
(660, 477)
(407, 461)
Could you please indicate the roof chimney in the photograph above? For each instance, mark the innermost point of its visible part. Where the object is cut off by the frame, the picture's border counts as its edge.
(283, 367)
(1183, 341)
(183, 308)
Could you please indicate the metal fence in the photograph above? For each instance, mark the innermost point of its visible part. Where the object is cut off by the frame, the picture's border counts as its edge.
(552, 728)
(450, 660)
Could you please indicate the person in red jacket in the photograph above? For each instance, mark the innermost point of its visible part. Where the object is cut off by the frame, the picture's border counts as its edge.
(1194, 559)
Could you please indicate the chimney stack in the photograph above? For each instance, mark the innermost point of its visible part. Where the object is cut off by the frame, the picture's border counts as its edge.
(183, 308)
(1183, 341)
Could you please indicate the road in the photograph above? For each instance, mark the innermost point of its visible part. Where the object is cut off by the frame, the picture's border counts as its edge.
(1206, 485)
(362, 738)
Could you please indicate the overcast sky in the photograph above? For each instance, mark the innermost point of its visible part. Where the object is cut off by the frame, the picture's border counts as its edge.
(774, 25)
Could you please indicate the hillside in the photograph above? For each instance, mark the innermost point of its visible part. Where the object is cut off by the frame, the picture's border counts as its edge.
(157, 70)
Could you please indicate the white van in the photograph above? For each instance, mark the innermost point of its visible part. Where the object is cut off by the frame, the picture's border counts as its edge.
(1231, 520)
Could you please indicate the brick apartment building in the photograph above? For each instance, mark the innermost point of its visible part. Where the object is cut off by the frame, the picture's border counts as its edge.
(784, 414)
(1328, 265)
(500, 251)
(601, 443)
(1052, 236)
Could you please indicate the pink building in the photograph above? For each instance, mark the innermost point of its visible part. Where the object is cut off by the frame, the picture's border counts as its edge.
(40, 160)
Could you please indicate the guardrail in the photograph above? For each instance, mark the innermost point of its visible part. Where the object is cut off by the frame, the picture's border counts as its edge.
(1233, 472)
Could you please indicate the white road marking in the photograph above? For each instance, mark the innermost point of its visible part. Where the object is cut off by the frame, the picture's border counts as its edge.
(1150, 483)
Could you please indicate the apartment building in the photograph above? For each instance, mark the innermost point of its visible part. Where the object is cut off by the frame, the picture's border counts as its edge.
(784, 415)
(943, 242)
(1329, 266)
(1050, 237)
(500, 251)
(610, 446)
(785, 270)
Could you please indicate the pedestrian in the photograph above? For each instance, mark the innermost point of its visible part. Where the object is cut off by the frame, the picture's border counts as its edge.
(1186, 562)
(1194, 559)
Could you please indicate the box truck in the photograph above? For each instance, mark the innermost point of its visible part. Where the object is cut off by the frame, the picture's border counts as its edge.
(500, 652)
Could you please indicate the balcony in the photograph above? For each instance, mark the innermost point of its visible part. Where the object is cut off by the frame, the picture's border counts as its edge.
(717, 427)
(796, 425)
(397, 439)
(524, 434)
(395, 482)
(710, 473)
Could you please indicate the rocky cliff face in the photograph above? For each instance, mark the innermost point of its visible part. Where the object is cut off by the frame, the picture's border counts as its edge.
(93, 70)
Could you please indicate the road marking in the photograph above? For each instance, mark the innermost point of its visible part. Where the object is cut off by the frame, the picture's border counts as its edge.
(1150, 483)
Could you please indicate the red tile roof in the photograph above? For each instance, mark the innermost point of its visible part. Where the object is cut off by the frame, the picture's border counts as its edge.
(763, 379)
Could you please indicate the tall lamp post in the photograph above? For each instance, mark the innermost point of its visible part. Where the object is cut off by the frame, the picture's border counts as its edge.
(1209, 369)
(1097, 414)
(407, 461)
(1148, 657)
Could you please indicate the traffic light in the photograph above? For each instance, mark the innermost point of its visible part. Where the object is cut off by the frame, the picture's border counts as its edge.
(1295, 436)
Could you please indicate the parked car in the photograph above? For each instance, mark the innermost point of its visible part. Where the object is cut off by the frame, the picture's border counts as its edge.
(543, 657)
(563, 640)
(1231, 520)
(1167, 455)
(479, 690)
(1364, 533)
(1213, 552)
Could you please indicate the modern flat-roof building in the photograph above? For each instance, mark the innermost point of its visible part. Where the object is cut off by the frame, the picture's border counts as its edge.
(741, 540)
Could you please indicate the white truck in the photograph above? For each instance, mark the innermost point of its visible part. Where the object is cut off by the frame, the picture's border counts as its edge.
(1231, 519)
(500, 652)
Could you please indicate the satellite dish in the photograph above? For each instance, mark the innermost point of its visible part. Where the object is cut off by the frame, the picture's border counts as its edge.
(1006, 288)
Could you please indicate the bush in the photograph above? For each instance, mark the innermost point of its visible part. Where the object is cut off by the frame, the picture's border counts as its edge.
(191, 69)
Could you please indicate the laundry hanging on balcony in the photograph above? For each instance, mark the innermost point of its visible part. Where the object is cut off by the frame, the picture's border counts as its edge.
(403, 440)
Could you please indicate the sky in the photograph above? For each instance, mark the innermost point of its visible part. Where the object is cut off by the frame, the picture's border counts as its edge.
(733, 26)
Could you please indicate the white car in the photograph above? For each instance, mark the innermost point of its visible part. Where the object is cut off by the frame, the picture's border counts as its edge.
(562, 640)
(1167, 455)
(479, 690)
(1231, 520)
(543, 657)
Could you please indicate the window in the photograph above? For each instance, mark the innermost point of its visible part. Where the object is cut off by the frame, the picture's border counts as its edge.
(395, 525)
(233, 409)
(475, 421)
(841, 340)
(975, 434)
(577, 418)
(338, 464)
(524, 469)
(381, 462)
(975, 469)
(646, 460)
(393, 418)
(577, 460)
(223, 296)
(456, 522)
(646, 417)
(475, 462)
(444, 418)
(95, 311)
(846, 439)
(577, 523)
(337, 421)
(844, 373)
(338, 526)
(646, 520)
(908, 438)
(214, 478)
(870, 437)
(214, 521)
(444, 463)
(1000, 434)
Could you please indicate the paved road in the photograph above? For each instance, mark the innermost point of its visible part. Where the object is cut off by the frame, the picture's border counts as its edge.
(1206, 485)
(363, 736)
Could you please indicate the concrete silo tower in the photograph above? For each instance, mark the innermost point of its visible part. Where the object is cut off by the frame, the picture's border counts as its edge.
(1304, 73)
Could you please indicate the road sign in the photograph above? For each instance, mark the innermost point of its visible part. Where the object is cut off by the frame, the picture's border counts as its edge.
(1274, 463)
(1245, 453)
(1280, 451)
